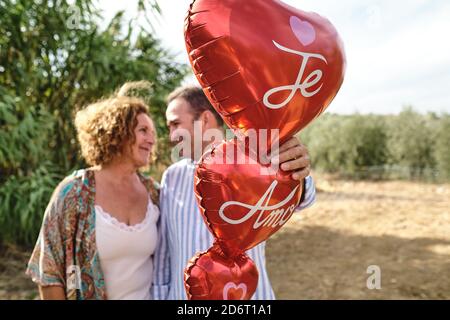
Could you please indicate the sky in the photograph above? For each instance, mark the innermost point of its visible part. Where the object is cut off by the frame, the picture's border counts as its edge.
(398, 52)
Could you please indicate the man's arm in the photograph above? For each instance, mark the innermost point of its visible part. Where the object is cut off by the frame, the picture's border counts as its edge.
(308, 195)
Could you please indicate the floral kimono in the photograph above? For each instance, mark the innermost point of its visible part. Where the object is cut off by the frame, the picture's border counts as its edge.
(66, 254)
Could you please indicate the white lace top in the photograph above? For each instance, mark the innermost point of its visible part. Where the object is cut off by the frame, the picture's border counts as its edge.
(126, 254)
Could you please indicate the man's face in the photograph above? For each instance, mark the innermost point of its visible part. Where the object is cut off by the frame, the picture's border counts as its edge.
(180, 120)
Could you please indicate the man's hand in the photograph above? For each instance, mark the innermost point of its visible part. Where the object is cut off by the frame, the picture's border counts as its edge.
(294, 156)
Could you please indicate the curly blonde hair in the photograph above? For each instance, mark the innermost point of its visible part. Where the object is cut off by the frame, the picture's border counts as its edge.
(104, 128)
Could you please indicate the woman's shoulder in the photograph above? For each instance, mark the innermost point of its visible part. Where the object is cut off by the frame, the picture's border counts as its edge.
(67, 193)
(152, 187)
(74, 182)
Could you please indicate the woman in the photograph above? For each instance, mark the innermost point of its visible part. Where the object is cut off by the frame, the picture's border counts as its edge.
(99, 229)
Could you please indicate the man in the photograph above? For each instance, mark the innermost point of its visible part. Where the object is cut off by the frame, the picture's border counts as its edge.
(183, 232)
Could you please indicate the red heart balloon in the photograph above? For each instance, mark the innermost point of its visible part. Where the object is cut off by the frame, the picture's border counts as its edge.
(242, 201)
(264, 64)
(212, 275)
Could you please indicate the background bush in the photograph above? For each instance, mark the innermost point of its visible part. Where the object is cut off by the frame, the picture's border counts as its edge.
(405, 146)
(55, 59)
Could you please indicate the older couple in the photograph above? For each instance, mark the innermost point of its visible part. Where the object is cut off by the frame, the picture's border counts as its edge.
(109, 232)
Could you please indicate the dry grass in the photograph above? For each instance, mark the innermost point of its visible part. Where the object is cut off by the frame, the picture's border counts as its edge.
(402, 227)
(323, 253)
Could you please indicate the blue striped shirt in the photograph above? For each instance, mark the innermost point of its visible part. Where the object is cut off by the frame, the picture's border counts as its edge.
(183, 233)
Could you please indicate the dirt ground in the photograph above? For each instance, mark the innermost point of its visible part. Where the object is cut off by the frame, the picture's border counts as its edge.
(325, 251)
(14, 284)
(401, 227)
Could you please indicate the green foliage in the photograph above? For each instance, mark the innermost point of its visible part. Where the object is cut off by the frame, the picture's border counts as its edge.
(319, 137)
(406, 146)
(55, 59)
(442, 147)
(362, 143)
(411, 142)
(22, 195)
(336, 148)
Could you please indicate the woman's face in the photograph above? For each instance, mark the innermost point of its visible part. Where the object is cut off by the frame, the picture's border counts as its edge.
(145, 134)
